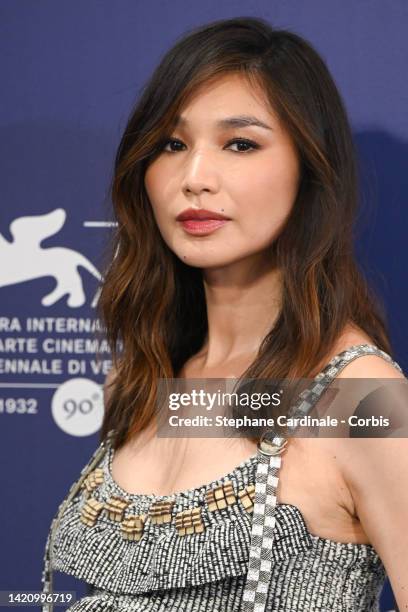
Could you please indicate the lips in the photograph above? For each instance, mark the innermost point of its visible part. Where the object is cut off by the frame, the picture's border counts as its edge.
(201, 222)
(192, 214)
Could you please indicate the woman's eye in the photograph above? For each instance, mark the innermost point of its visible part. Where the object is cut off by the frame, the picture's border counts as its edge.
(170, 141)
(243, 142)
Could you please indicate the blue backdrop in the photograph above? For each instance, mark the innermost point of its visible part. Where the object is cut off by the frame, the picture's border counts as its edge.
(70, 72)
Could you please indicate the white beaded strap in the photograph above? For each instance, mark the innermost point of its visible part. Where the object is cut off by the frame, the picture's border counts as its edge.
(308, 398)
(263, 522)
(47, 574)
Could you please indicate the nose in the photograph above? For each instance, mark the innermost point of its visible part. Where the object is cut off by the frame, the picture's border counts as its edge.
(200, 174)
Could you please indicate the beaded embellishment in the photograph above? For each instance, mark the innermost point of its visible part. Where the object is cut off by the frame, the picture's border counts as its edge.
(189, 521)
(92, 481)
(132, 527)
(160, 512)
(90, 511)
(220, 497)
(115, 507)
(246, 497)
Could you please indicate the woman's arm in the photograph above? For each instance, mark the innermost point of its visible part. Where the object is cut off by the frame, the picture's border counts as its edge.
(377, 476)
(376, 472)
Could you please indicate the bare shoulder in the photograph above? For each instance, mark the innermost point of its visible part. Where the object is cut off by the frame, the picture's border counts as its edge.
(354, 456)
(370, 366)
(366, 366)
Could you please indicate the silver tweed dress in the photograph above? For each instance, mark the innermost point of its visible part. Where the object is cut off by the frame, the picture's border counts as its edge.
(225, 546)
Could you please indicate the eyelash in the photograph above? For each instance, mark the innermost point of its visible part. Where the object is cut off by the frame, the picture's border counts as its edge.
(245, 141)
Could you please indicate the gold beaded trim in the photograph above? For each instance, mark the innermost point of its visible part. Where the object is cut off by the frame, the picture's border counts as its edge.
(160, 512)
(132, 526)
(247, 496)
(220, 497)
(92, 481)
(90, 511)
(189, 521)
(115, 507)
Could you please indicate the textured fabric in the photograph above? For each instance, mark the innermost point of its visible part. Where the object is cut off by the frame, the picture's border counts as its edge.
(208, 570)
(255, 595)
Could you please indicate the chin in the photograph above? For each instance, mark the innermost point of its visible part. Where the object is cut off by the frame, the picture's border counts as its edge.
(197, 260)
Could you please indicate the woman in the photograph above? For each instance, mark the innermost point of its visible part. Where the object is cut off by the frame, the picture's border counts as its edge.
(235, 194)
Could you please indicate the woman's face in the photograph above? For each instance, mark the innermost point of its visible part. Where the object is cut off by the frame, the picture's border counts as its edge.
(248, 173)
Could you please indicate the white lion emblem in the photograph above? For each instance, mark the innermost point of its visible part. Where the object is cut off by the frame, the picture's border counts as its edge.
(24, 259)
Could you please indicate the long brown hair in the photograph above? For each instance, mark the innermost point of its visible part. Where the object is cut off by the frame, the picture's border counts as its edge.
(153, 305)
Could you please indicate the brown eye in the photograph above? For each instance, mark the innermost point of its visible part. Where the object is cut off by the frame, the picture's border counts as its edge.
(247, 145)
(171, 142)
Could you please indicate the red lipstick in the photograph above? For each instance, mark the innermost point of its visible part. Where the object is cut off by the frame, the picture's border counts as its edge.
(201, 222)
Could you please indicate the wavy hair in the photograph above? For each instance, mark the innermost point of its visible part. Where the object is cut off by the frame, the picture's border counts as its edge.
(153, 305)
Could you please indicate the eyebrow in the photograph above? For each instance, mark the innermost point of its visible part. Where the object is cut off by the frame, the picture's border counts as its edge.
(232, 122)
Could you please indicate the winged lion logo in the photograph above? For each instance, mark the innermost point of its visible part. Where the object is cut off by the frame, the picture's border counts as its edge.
(25, 259)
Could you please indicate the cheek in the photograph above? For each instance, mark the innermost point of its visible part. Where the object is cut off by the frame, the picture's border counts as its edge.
(159, 186)
(155, 186)
(265, 201)
(152, 183)
(277, 178)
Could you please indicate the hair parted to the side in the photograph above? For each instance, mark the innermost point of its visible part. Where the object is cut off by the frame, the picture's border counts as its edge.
(153, 305)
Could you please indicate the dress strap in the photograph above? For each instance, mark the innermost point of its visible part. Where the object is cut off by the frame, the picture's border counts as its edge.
(263, 522)
(308, 398)
(47, 574)
(269, 450)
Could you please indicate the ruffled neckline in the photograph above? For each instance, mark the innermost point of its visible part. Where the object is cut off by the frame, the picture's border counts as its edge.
(242, 474)
(167, 559)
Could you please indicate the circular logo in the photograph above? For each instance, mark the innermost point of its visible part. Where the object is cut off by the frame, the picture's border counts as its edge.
(77, 406)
